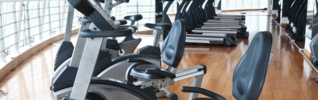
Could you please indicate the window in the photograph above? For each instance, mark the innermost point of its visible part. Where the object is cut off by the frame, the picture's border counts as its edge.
(243, 4)
(26, 22)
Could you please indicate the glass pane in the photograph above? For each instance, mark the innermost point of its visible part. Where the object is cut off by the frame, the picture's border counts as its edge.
(1, 55)
(46, 9)
(34, 22)
(9, 29)
(32, 4)
(46, 19)
(76, 25)
(7, 7)
(23, 35)
(55, 30)
(33, 13)
(8, 41)
(35, 38)
(243, 4)
(54, 10)
(34, 30)
(64, 25)
(54, 17)
(46, 27)
(54, 3)
(46, 31)
(55, 27)
(7, 18)
(23, 43)
(45, 34)
(29, 18)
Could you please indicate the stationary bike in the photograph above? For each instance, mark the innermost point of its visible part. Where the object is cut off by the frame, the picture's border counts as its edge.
(249, 74)
(91, 56)
(108, 28)
(118, 65)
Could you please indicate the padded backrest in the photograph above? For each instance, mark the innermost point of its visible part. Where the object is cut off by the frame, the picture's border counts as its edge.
(250, 72)
(173, 46)
(99, 19)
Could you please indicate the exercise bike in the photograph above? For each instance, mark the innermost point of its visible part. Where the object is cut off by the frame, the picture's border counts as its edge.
(115, 66)
(249, 74)
(62, 84)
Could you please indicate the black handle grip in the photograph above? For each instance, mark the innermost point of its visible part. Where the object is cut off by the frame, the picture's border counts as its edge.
(139, 61)
(202, 91)
(122, 22)
(102, 1)
(84, 20)
(113, 33)
(126, 1)
(159, 26)
(135, 17)
(168, 0)
(161, 72)
(113, 18)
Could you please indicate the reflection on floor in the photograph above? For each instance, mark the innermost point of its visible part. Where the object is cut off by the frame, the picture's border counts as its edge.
(288, 75)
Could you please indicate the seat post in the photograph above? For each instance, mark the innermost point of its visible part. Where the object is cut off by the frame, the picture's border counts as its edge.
(158, 37)
(168, 68)
(197, 81)
(171, 69)
(86, 68)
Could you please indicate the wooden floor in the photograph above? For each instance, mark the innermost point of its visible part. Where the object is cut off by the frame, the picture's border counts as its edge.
(288, 77)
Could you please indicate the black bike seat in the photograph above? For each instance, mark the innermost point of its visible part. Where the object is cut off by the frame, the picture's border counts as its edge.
(158, 26)
(133, 17)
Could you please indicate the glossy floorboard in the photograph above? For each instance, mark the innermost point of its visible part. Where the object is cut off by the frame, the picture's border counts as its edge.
(288, 77)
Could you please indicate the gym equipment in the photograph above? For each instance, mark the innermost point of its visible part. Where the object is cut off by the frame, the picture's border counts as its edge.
(249, 74)
(125, 47)
(314, 42)
(143, 73)
(283, 10)
(297, 19)
(314, 47)
(116, 66)
(195, 15)
(210, 24)
(62, 83)
(202, 36)
(90, 56)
